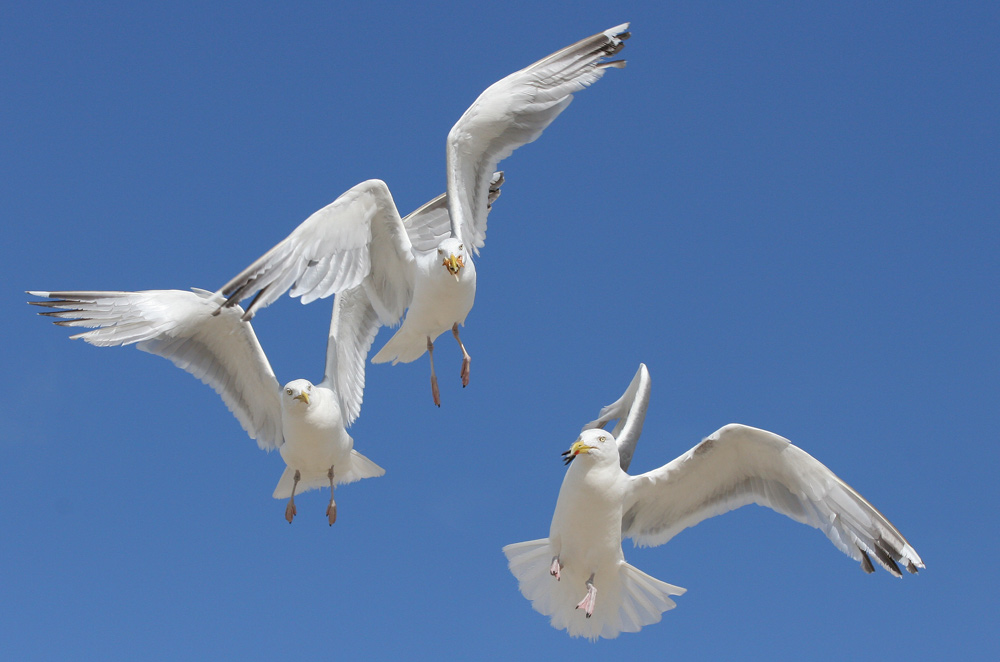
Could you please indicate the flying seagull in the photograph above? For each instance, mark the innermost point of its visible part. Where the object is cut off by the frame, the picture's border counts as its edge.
(304, 421)
(599, 504)
(360, 241)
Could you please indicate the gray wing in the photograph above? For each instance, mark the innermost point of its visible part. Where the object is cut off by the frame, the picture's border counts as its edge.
(513, 112)
(429, 225)
(630, 410)
(218, 349)
(334, 250)
(739, 465)
(353, 326)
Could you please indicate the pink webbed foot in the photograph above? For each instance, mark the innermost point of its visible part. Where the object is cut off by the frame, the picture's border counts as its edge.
(555, 568)
(588, 602)
(434, 390)
(290, 508)
(466, 359)
(434, 379)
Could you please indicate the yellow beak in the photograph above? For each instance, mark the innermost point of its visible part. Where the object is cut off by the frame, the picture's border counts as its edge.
(303, 396)
(454, 265)
(577, 448)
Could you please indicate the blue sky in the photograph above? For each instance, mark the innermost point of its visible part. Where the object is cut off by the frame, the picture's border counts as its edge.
(788, 211)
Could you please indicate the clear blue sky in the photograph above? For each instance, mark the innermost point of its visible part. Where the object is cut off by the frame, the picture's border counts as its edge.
(788, 211)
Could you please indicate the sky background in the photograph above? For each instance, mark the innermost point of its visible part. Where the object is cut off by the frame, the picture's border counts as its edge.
(788, 211)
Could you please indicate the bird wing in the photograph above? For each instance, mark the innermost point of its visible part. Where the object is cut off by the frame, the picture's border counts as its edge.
(513, 112)
(352, 330)
(429, 225)
(333, 250)
(630, 410)
(218, 349)
(739, 465)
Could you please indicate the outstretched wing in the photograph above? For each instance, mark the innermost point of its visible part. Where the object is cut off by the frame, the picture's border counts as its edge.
(739, 465)
(333, 250)
(429, 225)
(220, 350)
(513, 112)
(630, 410)
(352, 329)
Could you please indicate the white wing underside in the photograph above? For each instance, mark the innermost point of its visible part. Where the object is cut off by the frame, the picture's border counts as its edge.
(630, 410)
(358, 240)
(740, 465)
(358, 234)
(353, 326)
(513, 112)
(220, 350)
(430, 224)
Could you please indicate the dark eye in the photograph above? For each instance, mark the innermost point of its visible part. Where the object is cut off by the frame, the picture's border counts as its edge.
(440, 252)
(461, 247)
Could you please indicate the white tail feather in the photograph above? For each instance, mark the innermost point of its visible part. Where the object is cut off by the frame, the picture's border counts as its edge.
(627, 598)
(403, 347)
(360, 467)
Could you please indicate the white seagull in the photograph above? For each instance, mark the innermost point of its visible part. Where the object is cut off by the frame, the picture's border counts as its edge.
(304, 421)
(599, 505)
(360, 241)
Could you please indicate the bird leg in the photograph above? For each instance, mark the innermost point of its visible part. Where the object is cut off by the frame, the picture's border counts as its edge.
(434, 379)
(290, 508)
(331, 510)
(587, 604)
(555, 568)
(466, 359)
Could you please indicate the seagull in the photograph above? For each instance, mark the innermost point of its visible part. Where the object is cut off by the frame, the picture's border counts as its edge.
(359, 240)
(599, 505)
(304, 421)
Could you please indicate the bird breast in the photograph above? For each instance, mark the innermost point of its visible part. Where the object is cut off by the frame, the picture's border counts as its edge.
(586, 525)
(315, 435)
(439, 300)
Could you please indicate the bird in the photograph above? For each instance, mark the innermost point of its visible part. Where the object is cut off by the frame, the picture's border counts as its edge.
(306, 422)
(599, 505)
(359, 240)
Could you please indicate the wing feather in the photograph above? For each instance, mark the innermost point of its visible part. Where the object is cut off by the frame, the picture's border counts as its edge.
(219, 349)
(430, 224)
(332, 250)
(630, 410)
(739, 465)
(353, 326)
(513, 112)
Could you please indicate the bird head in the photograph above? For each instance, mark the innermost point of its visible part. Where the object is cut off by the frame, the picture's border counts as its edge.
(452, 254)
(590, 442)
(298, 390)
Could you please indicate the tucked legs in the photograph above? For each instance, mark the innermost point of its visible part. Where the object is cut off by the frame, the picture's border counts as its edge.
(588, 602)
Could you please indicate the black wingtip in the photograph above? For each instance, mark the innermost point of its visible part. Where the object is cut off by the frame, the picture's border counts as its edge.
(866, 562)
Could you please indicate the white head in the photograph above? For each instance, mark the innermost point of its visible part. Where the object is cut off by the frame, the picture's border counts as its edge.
(298, 392)
(452, 254)
(595, 445)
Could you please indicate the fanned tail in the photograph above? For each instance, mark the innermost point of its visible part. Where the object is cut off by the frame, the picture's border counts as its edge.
(360, 467)
(402, 347)
(627, 598)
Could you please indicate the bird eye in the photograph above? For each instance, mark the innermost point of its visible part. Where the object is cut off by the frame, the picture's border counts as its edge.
(461, 247)
(440, 252)
(288, 391)
(602, 438)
